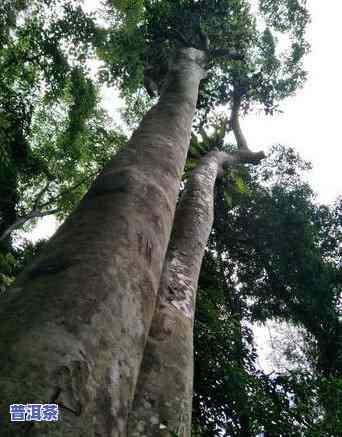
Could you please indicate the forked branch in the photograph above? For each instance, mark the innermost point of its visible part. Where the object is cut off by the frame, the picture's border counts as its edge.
(22, 220)
(235, 122)
(244, 153)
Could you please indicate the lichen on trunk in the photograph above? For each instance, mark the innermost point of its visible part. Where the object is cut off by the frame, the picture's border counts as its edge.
(163, 399)
(74, 326)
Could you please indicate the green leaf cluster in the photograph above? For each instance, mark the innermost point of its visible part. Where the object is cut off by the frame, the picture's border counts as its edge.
(274, 254)
(54, 137)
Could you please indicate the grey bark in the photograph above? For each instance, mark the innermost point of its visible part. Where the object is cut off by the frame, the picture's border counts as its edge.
(73, 328)
(163, 399)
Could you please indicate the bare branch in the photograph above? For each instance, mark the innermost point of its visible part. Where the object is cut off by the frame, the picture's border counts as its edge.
(235, 122)
(244, 154)
(21, 220)
(37, 210)
(244, 157)
(227, 160)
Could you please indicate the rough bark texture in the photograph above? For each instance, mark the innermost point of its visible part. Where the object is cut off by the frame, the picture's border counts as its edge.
(73, 329)
(163, 398)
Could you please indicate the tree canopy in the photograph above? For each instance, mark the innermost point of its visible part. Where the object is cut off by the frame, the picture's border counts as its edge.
(274, 251)
(267, 261)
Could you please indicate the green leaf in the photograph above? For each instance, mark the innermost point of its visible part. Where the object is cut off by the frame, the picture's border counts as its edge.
(228, 201)
(240, 185)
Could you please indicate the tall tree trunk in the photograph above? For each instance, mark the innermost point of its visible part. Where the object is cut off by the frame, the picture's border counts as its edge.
(73, 328)
(163, 399)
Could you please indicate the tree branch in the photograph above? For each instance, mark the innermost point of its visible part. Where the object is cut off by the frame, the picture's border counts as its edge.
(230, 55)
(204, 40)
(61, 194)
(181, 37)
(235, 122)
(244, 157)
(37, 210)
(203, 133)
(21, 220)
(40, 195)
(226, 160)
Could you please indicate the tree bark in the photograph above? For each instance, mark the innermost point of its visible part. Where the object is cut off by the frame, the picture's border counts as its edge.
(73, 328)
(163, 399)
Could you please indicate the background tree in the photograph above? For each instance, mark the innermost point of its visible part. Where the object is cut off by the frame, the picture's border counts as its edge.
(235, 289)
(54, 137)
(157, 134)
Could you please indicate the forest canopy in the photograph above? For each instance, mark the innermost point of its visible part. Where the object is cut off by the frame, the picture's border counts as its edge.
(274, 252)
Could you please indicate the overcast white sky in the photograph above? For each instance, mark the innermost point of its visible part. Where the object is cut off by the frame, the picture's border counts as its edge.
(311, 120)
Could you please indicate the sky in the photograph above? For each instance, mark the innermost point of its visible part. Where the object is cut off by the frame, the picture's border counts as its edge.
(310, 122)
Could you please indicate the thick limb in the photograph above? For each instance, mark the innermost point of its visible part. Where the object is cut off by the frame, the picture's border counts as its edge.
(163, 398)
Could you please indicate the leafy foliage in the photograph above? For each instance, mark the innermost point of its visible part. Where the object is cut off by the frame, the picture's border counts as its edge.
(142, 37)
(265, 262)
(273, 254)
(54, 137)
